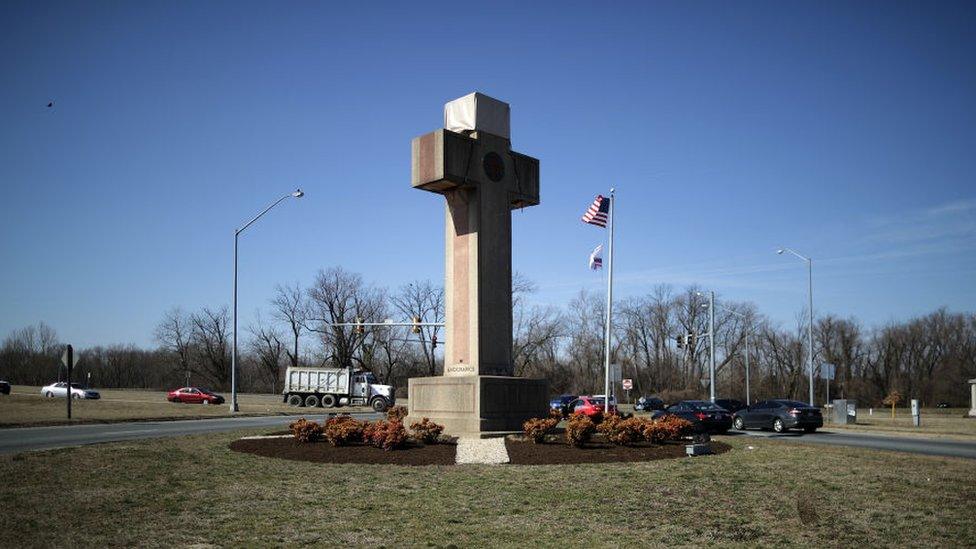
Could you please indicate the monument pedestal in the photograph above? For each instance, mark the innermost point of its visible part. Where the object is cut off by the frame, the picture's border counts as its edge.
(477, 404)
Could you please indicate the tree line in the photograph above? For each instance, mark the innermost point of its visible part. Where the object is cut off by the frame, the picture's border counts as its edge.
(928, 357)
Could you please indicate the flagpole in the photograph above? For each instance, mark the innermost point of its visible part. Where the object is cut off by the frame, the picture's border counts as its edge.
(606, 335)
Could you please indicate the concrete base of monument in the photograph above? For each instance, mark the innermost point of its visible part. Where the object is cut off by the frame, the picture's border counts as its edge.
(477, 405)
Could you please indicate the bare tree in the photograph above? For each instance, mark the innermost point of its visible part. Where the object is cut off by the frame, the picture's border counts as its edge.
(210, 331)
(338, 296)
(536, 330)
(423, 300)
(290, 307)
(175, 335)
(268, 349)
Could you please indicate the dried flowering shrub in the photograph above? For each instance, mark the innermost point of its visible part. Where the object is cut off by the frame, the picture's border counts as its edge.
(306, 431)
(426, 430)
(536, 429)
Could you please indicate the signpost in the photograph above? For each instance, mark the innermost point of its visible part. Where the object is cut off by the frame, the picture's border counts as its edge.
(627, 384)
(70, 360)
(829, 370)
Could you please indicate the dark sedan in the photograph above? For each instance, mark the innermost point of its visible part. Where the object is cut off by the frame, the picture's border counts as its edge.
(704, 416)
(561, 403)
(649, 404)
(780, 416)
(4, 387)
(730, 404)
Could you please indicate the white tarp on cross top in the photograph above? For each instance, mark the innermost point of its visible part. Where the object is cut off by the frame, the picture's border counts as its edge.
(478, 112)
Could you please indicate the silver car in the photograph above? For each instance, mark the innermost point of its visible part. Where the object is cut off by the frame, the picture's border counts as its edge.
(60, 389)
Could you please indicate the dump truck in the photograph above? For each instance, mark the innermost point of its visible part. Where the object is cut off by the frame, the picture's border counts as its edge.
(331, 387)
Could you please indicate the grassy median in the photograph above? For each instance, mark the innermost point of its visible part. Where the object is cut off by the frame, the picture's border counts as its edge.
(194, 490)
(26, 407)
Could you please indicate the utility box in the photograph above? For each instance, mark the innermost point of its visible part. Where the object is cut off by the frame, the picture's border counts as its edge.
(845, 412)
(916, 413)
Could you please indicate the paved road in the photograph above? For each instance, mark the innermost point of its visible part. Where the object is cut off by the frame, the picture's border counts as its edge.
(45, 438)
(916, 445)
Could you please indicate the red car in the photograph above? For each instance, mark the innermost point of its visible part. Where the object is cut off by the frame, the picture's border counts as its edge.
(194, 395)
(590, 406)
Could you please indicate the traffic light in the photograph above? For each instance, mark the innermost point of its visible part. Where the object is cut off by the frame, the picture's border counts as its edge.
(359, 329)
(416, 325)
(681, 340)
(690, 340)
(433, 342)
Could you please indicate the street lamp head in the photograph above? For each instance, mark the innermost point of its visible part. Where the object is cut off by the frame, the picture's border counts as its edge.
(298, 193)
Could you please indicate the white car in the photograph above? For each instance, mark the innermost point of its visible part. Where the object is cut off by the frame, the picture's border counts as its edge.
(60, 389)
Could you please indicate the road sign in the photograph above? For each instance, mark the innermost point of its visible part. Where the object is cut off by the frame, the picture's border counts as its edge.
(74, 358)
(829, 371)
(615, 373)
(628, 384)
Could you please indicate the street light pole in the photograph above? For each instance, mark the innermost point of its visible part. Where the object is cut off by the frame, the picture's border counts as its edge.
(298, 193)
(810, 306)
(711, 344)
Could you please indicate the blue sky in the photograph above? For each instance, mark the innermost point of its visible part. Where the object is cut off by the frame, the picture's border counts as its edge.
(844, 130)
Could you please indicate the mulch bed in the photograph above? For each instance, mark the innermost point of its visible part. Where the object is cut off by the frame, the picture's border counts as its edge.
(323, 452)
(560, 453)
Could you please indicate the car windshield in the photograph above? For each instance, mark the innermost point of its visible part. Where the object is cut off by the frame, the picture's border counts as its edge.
(709, 407)
(596, 401)
(204, 390)
(793, 403)
(78, 386)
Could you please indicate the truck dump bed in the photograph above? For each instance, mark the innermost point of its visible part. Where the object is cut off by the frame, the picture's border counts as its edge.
(317, 380)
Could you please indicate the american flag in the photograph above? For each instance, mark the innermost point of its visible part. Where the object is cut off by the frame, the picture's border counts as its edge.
(598, 211)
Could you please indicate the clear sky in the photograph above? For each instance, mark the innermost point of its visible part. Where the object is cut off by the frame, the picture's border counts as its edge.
(846, 131)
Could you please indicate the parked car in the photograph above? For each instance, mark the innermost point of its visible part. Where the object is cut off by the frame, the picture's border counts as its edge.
(590, 406)
(648, 404)
(705, 416)
(194, 395)
(942, 405)
(730, 404)
(78, 390)
(779, 415)
(4, 388)
(561, 403)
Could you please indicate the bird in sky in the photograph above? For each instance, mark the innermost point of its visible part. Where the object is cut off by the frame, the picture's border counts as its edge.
(50, 104)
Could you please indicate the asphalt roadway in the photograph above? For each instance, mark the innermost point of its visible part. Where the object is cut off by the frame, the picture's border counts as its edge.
(915, 445)
(25, 439)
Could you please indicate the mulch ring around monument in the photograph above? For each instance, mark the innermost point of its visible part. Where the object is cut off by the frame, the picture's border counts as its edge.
(323, 452)
(560, 453)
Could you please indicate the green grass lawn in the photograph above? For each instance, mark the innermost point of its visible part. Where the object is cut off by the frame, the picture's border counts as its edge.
(193, 490)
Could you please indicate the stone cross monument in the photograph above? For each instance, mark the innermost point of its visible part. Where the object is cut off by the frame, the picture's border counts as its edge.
(470, 162)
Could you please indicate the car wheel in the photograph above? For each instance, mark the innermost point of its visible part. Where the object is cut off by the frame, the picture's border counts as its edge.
(49, 394)
(177, 400)
(205, 401)
(739, 424)
(809, 429)
(778, 425)
(328, 401)
(311, 401)
(75, 396)
(379, 405)
(294, 400)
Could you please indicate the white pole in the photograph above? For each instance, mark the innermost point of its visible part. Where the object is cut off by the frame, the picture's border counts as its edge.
(711, 344)
(748, 398)
(810, 330)
(606, 334)
(233, 356)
